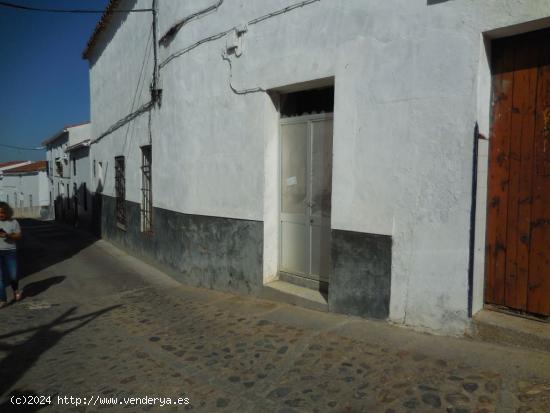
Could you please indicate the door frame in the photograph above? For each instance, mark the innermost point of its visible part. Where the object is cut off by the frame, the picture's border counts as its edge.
(484, 121)
(290, 121)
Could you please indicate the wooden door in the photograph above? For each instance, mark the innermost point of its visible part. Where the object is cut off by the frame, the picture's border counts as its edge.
(518, 218)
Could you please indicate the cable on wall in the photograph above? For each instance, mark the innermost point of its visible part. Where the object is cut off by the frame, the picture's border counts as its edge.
(173, 30)
(154, 98)
(142, 109)
(193, 46)
(155, 92)
(221, 34)
(239, 91)
(281, 11)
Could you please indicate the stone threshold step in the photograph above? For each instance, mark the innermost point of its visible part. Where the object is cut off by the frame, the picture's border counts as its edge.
(501, 328)
(288, 293)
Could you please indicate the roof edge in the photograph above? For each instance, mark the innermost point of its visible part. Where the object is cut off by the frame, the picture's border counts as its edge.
(84, 143)
(100, 26)
(33, 167)
(60, 133)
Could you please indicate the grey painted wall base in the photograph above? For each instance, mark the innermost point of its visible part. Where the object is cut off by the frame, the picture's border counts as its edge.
(219, 253)
(361, 274)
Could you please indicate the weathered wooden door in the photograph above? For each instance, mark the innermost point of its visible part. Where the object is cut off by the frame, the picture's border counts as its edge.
(518, 220)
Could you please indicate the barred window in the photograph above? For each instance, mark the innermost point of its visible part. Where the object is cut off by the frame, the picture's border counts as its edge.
(146, 190)
(120, 191)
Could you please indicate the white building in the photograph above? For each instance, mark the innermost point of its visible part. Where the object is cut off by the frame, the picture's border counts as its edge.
(25, 188)
(6, 192)
(328, 143)
(68, 189)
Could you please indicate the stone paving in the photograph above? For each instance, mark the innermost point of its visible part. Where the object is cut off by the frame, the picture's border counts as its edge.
(237, 354)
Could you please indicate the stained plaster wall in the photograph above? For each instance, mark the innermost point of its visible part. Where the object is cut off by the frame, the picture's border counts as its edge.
(407, 97)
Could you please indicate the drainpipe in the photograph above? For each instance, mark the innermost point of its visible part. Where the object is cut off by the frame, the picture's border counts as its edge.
(477, 137)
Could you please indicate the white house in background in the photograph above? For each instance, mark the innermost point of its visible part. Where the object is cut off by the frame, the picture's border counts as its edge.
(5, 194)
(330, 144)
(60, 169)
(26, 189)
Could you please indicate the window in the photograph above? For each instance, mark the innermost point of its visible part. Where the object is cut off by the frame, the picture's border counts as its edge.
(74, 167)
(120, 191)
(99, 176)
(146, 190)
(85, 196)
(58, 168)
(30, 200)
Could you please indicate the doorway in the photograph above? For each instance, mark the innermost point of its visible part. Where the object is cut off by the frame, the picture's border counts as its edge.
(518, 212)
(306, 189)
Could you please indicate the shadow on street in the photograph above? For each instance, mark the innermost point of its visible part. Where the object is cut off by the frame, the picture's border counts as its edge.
(44, 244)
(38, 287)
(21, 357)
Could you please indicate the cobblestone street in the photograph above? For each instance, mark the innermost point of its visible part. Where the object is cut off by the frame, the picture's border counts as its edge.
(98, 324)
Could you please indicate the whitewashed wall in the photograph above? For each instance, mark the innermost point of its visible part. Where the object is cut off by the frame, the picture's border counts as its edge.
(407, 98)
(78, 133)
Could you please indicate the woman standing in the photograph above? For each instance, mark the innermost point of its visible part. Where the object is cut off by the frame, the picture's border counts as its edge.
(10, 232)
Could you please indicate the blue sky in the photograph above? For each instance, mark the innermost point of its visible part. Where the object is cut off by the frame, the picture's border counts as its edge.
(44, 80)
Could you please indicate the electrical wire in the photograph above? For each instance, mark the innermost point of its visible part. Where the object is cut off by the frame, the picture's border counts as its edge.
(139, 88)
(171, 32)
(40, 148)
(281, 11)
(194, 45)
(221, 34)
(28, 8)
(119, 124)
(147, 107)
(239, 91)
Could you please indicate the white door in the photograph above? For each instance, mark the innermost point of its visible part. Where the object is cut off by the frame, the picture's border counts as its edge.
(306, 187)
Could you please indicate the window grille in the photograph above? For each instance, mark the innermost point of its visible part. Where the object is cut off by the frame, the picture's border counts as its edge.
(120, 190)
(146, 190)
